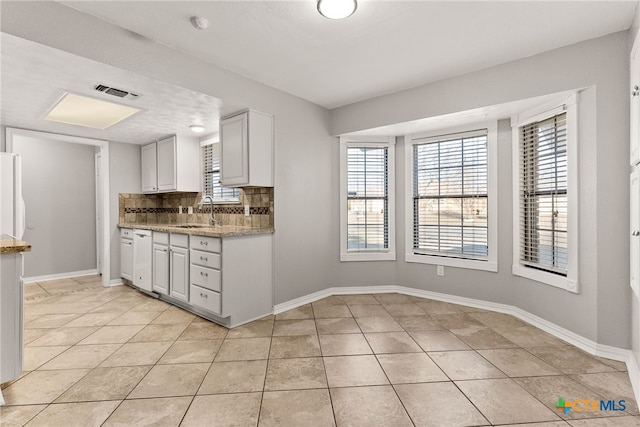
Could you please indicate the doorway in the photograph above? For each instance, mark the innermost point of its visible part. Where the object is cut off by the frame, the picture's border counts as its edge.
(101, 188)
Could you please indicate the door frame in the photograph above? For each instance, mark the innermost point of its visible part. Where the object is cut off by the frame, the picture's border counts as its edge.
(103, 147)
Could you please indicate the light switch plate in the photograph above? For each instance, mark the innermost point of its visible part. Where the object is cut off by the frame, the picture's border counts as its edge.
(246, 210)
(190, 209)
(440, 270)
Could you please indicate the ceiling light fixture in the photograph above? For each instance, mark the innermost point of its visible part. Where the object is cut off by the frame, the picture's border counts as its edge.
(197, 128)
(337, 9)
(88, 112)
(199, 23)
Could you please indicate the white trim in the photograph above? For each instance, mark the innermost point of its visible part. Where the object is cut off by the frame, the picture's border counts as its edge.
(115, 282)
(569, 105)
(389, 143)
(104, 151)
(68, 275)
(634, 374)
(491, 263)
(591, 347)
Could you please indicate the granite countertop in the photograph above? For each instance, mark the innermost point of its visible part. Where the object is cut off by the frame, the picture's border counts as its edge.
(201, 230)
(9, 245)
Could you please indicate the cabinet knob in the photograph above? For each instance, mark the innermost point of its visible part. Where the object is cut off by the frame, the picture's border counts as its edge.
(202, 258)
(202, 242)
(202, 273)
(635, 91)
(635, 233)
(204, 295)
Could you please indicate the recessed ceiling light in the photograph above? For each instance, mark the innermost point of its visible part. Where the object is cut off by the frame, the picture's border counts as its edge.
(337, 9)
(197, 128)
(89, 112)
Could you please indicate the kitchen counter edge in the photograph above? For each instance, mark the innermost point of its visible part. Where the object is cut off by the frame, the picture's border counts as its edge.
(220, 231)
(14, 246)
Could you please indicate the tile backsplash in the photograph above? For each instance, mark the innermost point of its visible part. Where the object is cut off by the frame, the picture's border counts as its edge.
(163, 209)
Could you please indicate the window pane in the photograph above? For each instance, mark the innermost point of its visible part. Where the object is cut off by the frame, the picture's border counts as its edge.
(450, 197)
(543, 195)
(211, 175)
(367, 221)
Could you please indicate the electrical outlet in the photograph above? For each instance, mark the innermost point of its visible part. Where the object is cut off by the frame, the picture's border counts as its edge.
(180, 209)
(246, 210)
(440, 270)
(190, 209)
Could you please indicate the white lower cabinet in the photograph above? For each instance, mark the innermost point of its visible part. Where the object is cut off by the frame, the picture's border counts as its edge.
(228, 280)
(179, 273)
(126, 253)
(161, 263)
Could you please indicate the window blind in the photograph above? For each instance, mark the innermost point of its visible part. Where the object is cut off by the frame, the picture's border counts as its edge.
(211, 175)
(543, 194)
(367, 199)
(450, 195)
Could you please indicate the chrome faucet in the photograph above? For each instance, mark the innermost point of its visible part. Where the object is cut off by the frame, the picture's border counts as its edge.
(212, 220)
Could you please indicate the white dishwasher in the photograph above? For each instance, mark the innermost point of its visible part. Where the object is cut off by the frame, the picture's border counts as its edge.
(142, 255)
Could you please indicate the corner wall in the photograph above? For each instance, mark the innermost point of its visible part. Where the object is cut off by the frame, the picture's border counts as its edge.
(601, 311)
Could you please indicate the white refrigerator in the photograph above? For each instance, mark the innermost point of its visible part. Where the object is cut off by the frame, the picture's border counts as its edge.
(12, 224)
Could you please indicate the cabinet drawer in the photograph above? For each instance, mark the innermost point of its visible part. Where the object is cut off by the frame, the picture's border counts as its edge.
(180, 240)
(205, 259)
(160, 238)
(126, 233)
(209, 244)
(204, 298)
(206, 277)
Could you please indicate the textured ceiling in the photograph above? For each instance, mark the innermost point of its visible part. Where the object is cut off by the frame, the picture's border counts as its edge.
(34, 77)
(386, 46)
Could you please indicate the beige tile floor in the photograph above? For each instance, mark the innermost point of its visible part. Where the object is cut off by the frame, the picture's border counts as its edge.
(115, 357)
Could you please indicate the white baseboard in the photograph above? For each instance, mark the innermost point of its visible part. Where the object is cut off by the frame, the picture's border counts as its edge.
(585, 344)
(116, 282)
(58, 276)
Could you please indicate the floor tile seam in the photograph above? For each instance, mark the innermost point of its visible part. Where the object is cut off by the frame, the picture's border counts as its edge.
(472, 403)
(525, 390)
(266, 369)
(70, 348)
(528, 350)
(148, 372)
(573, 377)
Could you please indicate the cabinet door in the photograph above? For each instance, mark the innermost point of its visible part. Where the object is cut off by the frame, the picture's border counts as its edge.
(149, 169)
(635, 103)
(167, 164)
(161, 269)
(234, 151)
(179, 273)
(634, 272)
(126, 259)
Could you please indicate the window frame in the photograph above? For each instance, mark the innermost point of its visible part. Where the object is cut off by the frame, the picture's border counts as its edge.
(388, 254)
(491, 262)
(216, 201)
(543, 112)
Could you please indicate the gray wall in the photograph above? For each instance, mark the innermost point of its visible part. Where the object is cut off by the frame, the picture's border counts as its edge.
(58, 186)
(305, 235)
(601, 311)
(124, 177)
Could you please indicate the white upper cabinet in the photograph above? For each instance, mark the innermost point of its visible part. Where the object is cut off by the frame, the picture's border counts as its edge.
(246, 156)
(635, 103)
(171, 164)
(149, 169)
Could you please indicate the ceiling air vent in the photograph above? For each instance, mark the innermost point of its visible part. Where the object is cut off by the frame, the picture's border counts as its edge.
(116, 92)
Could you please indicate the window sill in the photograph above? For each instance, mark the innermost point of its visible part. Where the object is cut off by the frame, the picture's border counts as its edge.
(470, 264)
(368, 256)
(550, 279)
